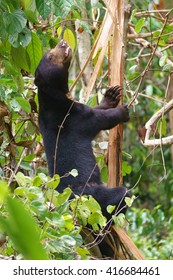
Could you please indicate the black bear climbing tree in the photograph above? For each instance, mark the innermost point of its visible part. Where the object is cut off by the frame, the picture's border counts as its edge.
(101, 41)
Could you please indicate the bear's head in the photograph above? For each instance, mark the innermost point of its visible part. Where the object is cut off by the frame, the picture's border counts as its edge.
(52, 70)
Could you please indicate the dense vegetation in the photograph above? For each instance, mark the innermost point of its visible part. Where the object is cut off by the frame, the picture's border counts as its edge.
(27, 194)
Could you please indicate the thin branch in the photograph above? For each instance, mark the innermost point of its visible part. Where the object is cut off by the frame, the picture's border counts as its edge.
(58, 135)
(162, 141)
(17, 167)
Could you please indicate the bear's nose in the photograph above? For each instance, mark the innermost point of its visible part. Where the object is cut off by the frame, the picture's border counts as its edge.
(63, 44)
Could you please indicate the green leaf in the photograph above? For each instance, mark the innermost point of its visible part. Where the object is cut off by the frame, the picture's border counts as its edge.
(139, 25)
(37, 181)
(22, 180)
(163, 60)
(26, 4)
(31, 16)
(3, 33)
(23, 231)
(96, 220)
(129, 200)
(43, 7)
(104, 174)
(61, 198)
(20, 191)
(133, 69)
(127, 155)
(162, 126)
(53, 182)
(74, 172)
(4, 190)
(63, 7)
(92, 204)
(25, 37)
(119, 220)
(149, 90)
(34, 50)
(167, 67)
(68, 240)
(14, 22)
(25, 105)
(110, 208)
(133, 14)
(20, 39)
(69, 37)
(126, 168)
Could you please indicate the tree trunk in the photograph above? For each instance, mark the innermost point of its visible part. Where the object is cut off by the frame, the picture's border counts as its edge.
(116, 78)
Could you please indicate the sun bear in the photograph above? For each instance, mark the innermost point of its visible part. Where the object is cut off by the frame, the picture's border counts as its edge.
(68, 128)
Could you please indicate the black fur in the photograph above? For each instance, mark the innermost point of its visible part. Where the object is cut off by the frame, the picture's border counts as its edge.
(68, 129)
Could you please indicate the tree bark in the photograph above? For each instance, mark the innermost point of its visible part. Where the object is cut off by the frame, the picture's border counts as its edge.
(116, 78)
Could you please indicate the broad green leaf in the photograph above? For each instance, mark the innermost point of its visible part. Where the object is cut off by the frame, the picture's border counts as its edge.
(20, 39)
(23, 231)
(92, 204)
(53, 182)
(31, 16)
(68, 240)
(3, 33)
(37, 181)
(139, 25)
(25, 105)
(43, 7)
(69, 37)
(22, 180)
(14, 22)
(39, 207)
(96, 220)
(20, 191)
(63, 197)
(63, 7)
(26, 4)
(34, 50)
(14, 105)
(25, 37)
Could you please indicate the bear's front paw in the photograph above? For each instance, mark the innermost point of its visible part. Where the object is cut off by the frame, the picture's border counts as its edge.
(112, 96)
(125, 116)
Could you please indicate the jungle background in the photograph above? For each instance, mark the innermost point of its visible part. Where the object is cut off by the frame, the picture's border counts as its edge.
(30, 227)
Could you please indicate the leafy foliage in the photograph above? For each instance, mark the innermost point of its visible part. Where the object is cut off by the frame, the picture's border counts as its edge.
(42, 223)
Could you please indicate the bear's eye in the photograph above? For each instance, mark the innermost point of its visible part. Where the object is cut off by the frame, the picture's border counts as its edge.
(51, 57)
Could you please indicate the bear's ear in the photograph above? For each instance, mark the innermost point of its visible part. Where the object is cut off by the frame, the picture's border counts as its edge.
(38, 79)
